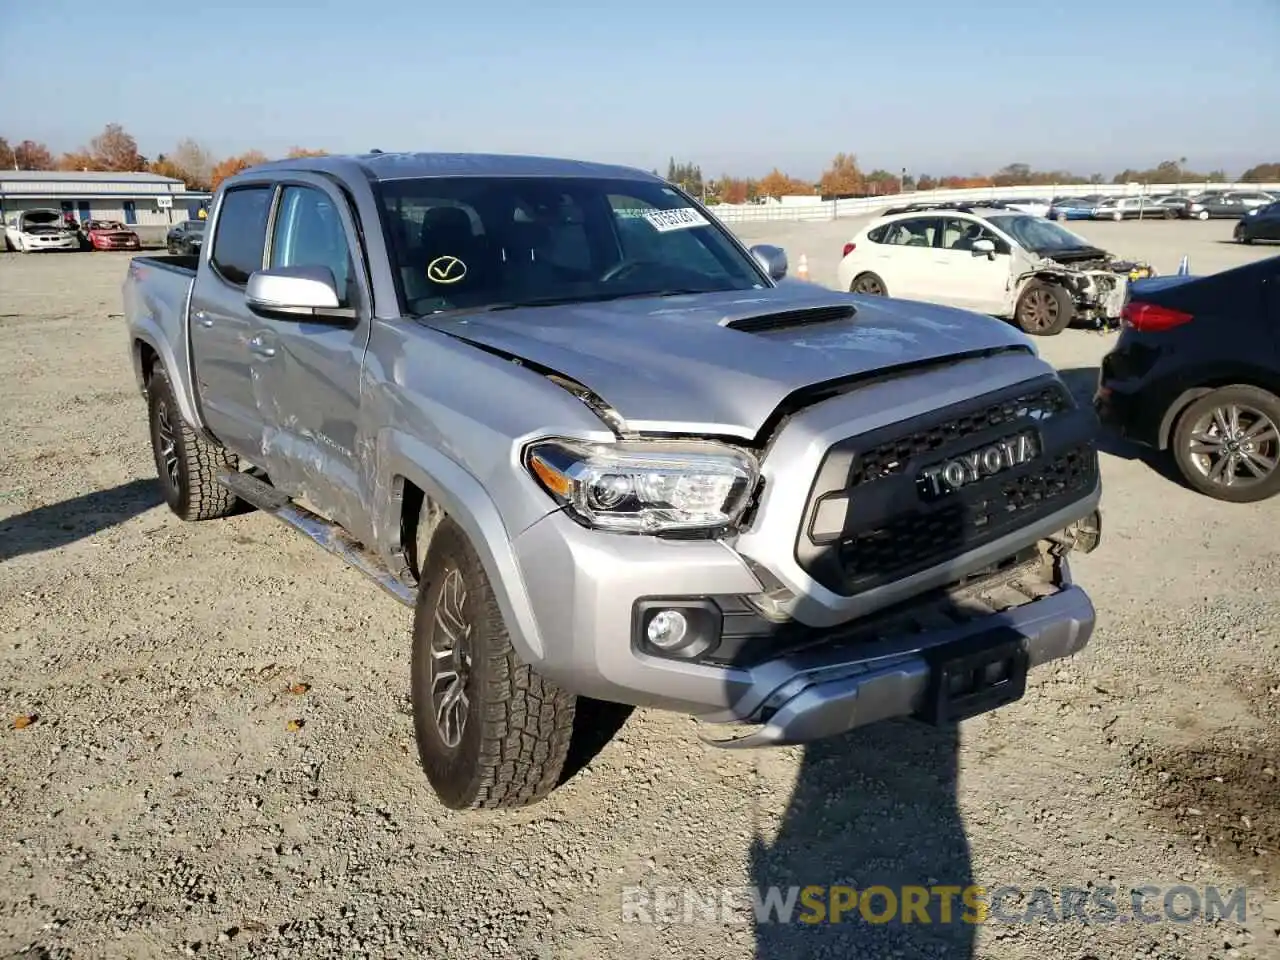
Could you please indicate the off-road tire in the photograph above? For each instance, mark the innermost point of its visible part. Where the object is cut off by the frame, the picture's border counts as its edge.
(869, 285)
(1025, 313)
(1254, 397)
(514, 741)
(194, 493)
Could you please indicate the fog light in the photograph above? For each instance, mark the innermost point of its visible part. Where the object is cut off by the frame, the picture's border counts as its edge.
(667, 629)
(681, 628)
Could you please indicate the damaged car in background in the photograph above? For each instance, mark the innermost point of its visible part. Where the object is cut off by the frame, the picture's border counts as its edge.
(1011, 265)
(40, 229)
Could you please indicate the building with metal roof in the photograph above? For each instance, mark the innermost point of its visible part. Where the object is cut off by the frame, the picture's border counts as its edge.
(146, 201)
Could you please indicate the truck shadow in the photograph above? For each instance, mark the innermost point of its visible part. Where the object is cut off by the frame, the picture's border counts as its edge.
(59, 524)
(874, 808)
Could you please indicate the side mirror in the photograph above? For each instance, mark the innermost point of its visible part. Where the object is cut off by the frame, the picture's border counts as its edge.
(301, 293)
(773, 260)
(984, 248)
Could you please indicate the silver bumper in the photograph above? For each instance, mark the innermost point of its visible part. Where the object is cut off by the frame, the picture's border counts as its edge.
(807, 699)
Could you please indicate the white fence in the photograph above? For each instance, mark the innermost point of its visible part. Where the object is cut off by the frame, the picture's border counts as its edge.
(796, 208)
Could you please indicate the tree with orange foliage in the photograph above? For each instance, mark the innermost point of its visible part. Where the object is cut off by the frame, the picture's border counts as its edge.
(843, 177)
(733, 190)
(114, 149)
(233, 165)
(77, 160)
(30, 155)
(296, 152)
(778, 184)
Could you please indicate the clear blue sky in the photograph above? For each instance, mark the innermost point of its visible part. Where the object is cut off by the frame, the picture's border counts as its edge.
(938, 86)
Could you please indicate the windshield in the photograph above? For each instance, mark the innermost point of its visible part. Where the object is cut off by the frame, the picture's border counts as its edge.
(35, 218)
(476, 242)
(1038, 234)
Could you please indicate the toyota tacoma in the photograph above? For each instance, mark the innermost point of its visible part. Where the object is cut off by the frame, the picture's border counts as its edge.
(606, 452)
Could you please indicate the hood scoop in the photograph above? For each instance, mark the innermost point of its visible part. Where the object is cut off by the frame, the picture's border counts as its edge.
(789, 319)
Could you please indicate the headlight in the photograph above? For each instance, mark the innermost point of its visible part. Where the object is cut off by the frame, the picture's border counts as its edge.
(632, 487)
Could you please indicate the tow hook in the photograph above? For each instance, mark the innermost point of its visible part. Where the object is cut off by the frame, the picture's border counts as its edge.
(1084, 535)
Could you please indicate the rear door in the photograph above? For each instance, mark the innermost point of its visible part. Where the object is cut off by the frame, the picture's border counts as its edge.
(907, 260)
(306, 373)
(220, 320)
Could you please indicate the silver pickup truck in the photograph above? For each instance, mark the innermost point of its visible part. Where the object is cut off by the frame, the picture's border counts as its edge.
(607, 452)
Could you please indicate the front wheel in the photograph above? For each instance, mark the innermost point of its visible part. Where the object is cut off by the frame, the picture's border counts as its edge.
(1169, 214)
(188, 464)
(1044, 309)
(491, 732)
(1117, 216)
(1202, 215)
(1227, 444)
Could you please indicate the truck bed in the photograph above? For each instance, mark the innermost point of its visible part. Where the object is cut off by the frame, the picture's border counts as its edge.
(180, 263)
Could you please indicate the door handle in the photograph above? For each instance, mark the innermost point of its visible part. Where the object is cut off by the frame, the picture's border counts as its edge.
(203, 319)
(258, 347)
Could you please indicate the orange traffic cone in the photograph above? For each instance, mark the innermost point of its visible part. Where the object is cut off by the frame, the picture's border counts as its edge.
(802, 269)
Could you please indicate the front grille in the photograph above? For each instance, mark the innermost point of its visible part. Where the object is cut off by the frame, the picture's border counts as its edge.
(892, 457)
(890, 522)
(915, 541)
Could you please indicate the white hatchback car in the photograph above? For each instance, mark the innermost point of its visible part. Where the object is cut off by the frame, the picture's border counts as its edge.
(994, 261)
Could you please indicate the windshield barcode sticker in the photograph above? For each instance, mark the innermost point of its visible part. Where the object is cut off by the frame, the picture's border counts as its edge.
(682, 218)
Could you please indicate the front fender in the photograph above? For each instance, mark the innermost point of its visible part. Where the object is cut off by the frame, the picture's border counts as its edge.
(464, 499)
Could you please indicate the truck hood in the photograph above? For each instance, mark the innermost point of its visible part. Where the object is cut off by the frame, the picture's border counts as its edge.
(678, 364)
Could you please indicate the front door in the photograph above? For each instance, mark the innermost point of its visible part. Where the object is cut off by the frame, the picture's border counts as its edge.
(307, 373)
(969, 279)
(221, 324)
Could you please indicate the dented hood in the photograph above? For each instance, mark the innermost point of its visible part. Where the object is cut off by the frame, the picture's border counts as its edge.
(677, 364)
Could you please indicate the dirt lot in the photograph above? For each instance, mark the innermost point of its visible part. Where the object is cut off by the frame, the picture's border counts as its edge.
(161, 801)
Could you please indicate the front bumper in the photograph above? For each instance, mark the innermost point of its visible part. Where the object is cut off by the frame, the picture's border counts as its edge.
(61, 243)
(584, 588)
(822, 697)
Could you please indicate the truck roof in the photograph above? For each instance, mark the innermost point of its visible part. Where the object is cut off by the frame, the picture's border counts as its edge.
(403, 166)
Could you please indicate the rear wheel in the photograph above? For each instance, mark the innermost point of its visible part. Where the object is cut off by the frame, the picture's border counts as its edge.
(868, 284)
(1227, 444)
(1240, 235)
(187, 463)
(1168, 213)
(491, 732)
(1117, 216)
(1044, 309)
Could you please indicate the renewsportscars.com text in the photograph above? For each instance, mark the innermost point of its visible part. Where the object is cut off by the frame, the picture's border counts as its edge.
(938, 904)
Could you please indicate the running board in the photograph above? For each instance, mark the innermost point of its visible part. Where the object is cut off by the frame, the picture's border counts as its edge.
(329, 535)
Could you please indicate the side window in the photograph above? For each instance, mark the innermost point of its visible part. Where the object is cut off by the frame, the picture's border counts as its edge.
(915, 232)
(958, 234)
(309, 233)
(242, 233)
(877, 235)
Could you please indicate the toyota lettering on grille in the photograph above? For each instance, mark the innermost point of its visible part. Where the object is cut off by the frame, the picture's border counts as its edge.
(1005, 454)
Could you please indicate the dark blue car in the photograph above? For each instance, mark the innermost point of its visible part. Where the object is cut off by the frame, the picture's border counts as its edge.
(1073, 208)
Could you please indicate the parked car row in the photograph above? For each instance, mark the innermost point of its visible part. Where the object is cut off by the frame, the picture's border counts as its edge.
(29, 231)
(1202, 206)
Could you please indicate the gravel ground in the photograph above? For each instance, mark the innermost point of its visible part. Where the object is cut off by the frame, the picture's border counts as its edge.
(206, 745)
